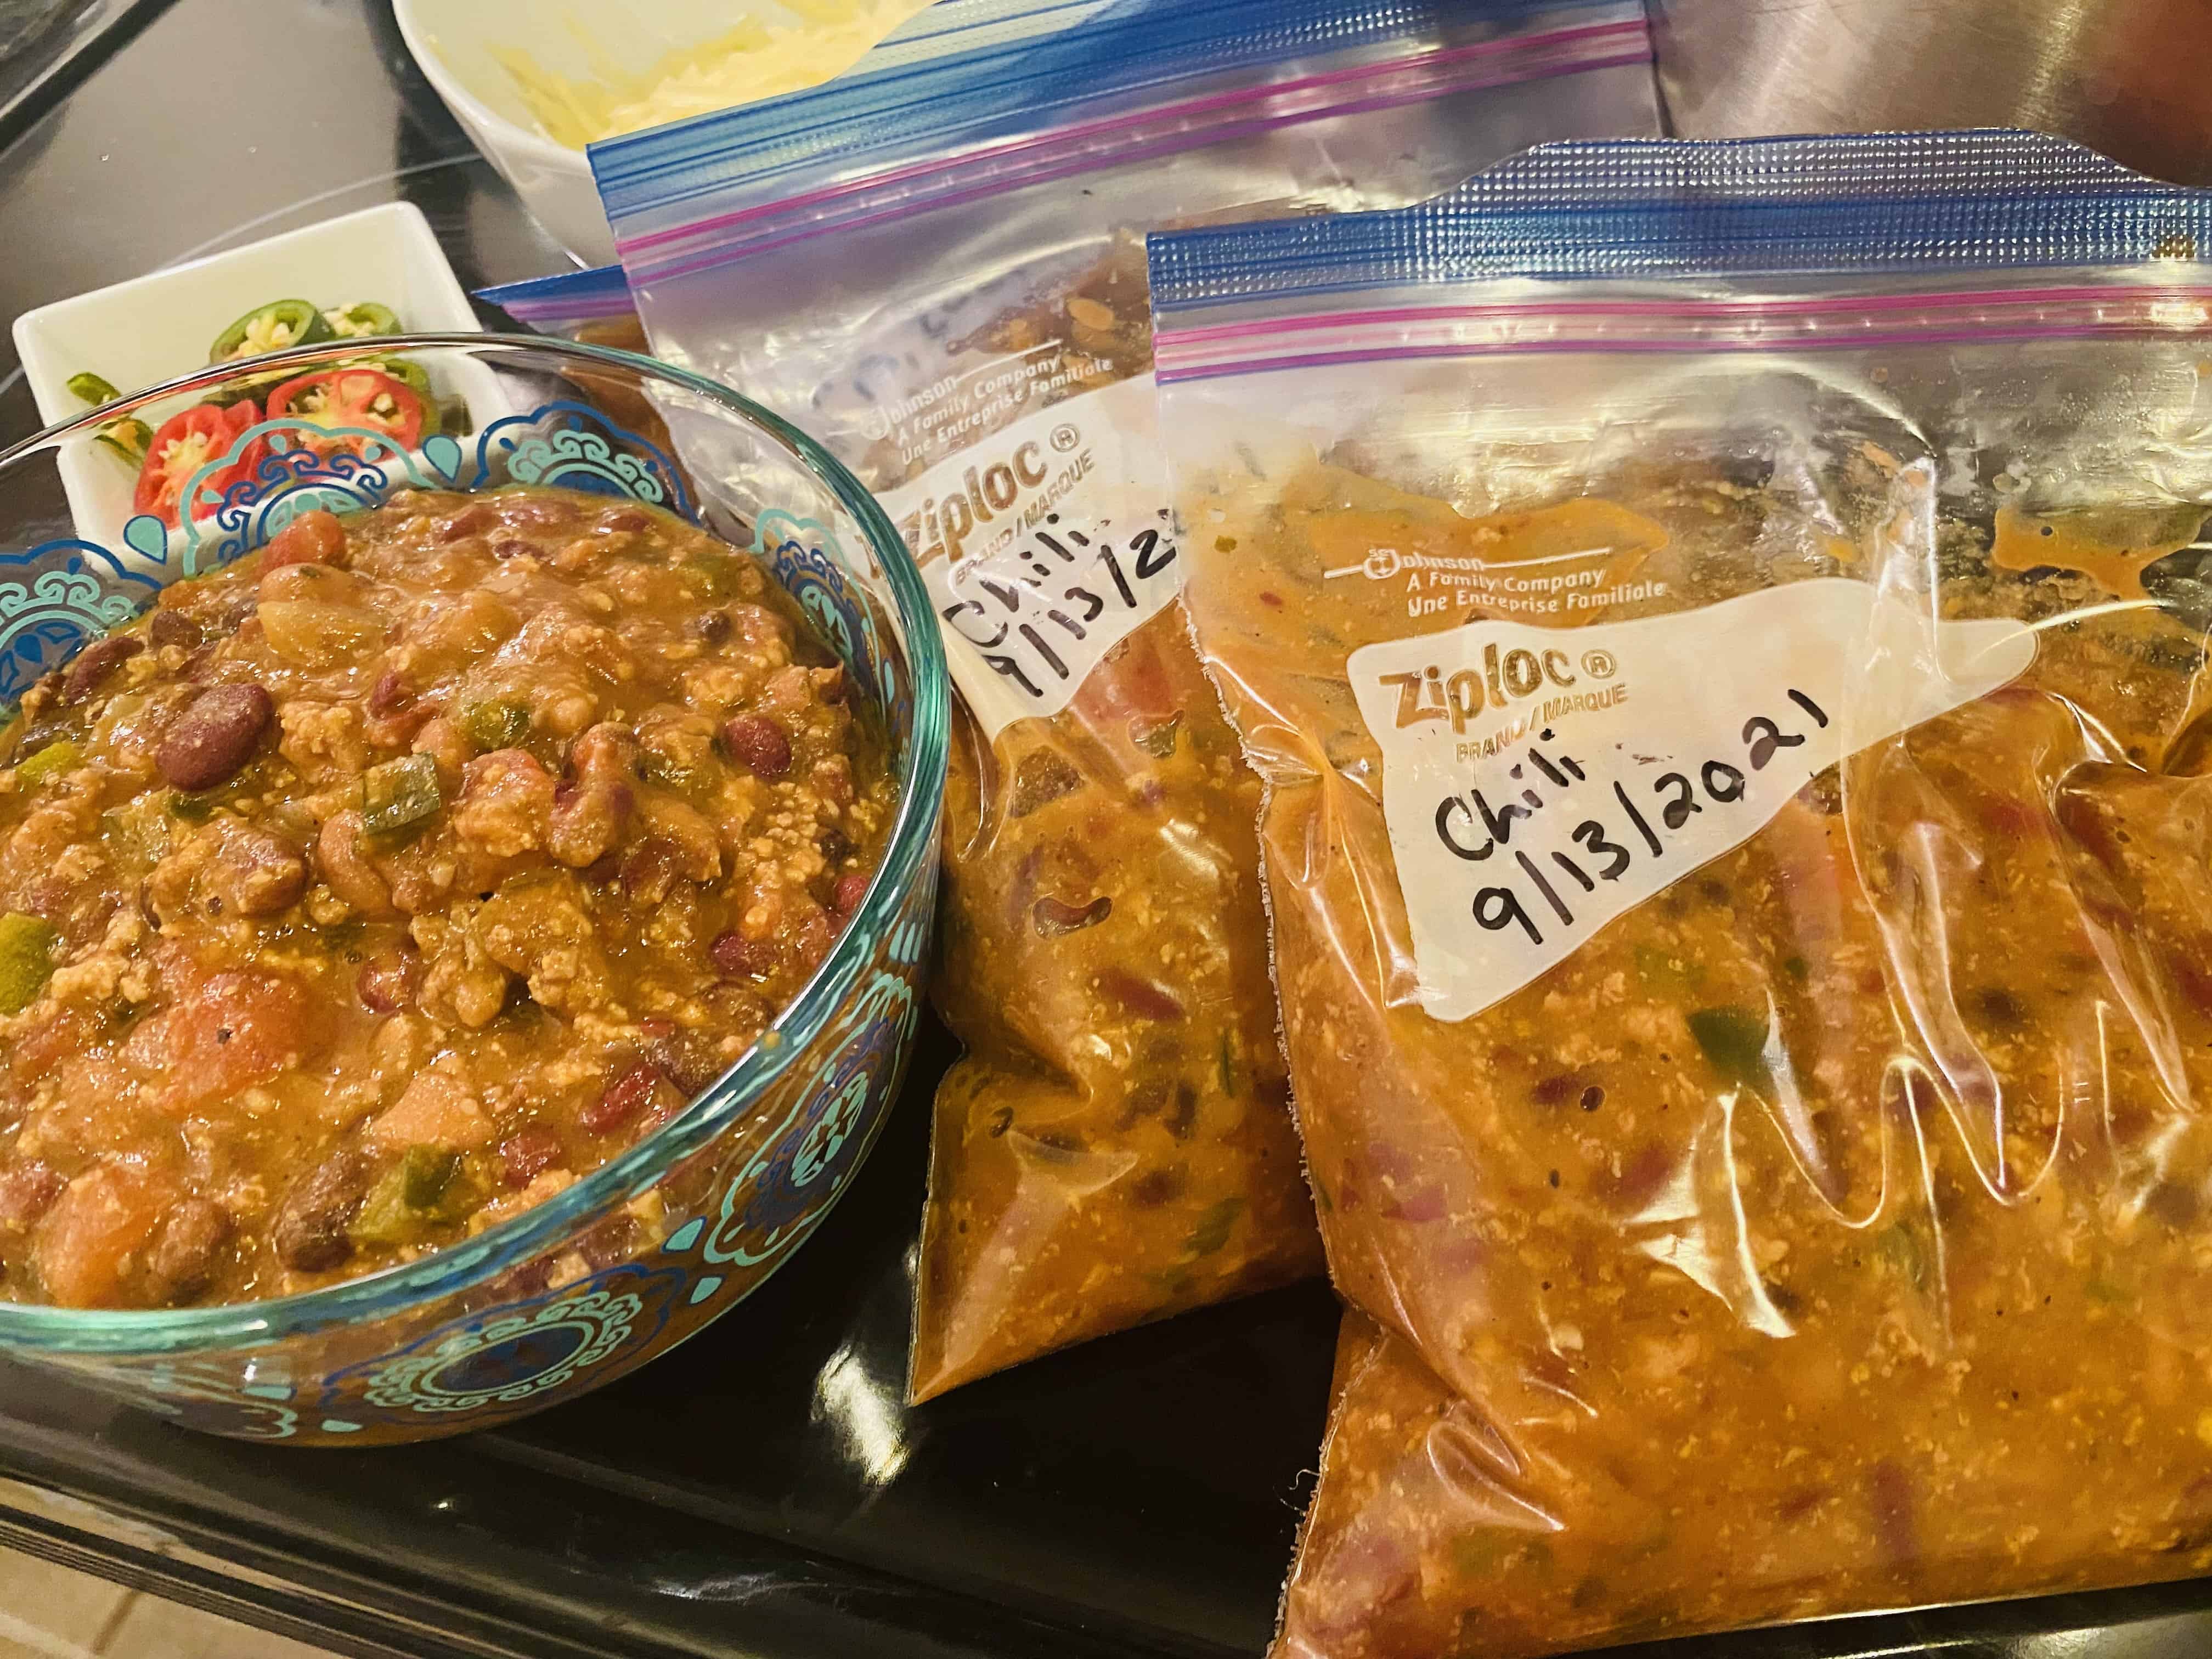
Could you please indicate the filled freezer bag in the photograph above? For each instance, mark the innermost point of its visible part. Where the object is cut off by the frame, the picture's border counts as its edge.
(936, 265)
(1722, 629)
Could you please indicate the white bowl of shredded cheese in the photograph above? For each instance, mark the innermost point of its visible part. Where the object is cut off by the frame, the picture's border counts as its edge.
(534, 81)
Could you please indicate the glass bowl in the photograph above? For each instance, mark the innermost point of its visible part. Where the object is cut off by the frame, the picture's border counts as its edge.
(521, 1315)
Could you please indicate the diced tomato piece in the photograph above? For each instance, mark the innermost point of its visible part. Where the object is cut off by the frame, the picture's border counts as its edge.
(227, 1032)
(88, 1241)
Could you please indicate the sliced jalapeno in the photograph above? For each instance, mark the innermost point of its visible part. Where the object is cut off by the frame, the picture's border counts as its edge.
(360, 320)
(253, 386)
(91, 388)
(271, 328)
(128, 438)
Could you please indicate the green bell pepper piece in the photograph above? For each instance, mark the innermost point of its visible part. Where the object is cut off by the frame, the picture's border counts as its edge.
(399, 795)
(49, 761)
(1734, 1040)
(496, 723)
(27, 960)
(412, 1196)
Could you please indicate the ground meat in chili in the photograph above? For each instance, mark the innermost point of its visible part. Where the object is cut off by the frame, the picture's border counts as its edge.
(381, 885)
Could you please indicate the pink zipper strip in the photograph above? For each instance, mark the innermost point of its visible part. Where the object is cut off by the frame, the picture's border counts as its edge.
(1564, 51)
(1421, 333)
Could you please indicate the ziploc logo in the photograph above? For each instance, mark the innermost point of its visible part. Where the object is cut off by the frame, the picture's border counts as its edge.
(999, 499)
(1503, 680)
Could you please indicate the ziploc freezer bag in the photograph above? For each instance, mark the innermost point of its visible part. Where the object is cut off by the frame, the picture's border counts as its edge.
(593, 305)
(936, 266)
(1722, 631)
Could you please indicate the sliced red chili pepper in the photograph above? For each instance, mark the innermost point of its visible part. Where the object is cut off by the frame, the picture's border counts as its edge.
(355, 396)
(187, 441)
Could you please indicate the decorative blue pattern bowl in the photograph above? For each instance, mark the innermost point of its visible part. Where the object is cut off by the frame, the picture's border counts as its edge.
(515, 1319)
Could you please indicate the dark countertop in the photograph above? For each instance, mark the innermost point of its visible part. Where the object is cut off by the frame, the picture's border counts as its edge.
(764, 1493)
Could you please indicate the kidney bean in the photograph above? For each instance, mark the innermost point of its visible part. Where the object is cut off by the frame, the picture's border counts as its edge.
(1890, 1500)
(528, 1153)
(689, 1061)
(587, 821)
(181, 1259)
(1052, 917)
(742, 957)
(624, 518)
(342, 855)
(650, 868)
(467, 522)
(1423, 1204)
(1139, 996)
(214, 737)
(255, 873)
(623, 1100)
(174, 628)
(313, 537)
(309, 1232)
(387, 982)
(390, 694)
(2081, 818)
(94, 662)
(851, 887)
(534, 512)
(758, 743)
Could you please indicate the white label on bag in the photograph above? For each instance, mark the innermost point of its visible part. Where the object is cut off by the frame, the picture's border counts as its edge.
(1538, 782)
(1044, 545)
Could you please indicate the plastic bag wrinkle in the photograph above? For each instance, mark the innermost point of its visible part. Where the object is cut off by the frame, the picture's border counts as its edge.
(955, 301)
(1825, 1233)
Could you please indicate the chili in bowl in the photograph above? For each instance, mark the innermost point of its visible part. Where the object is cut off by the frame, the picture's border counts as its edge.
(463, 932)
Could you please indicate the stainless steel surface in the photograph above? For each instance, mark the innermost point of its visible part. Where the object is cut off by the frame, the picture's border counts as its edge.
(48, 47)
(2125, 77)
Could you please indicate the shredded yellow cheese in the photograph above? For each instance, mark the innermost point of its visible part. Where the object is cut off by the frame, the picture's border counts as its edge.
(752, 61)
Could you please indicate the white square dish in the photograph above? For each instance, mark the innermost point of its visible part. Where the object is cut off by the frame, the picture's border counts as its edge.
(156, 327)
